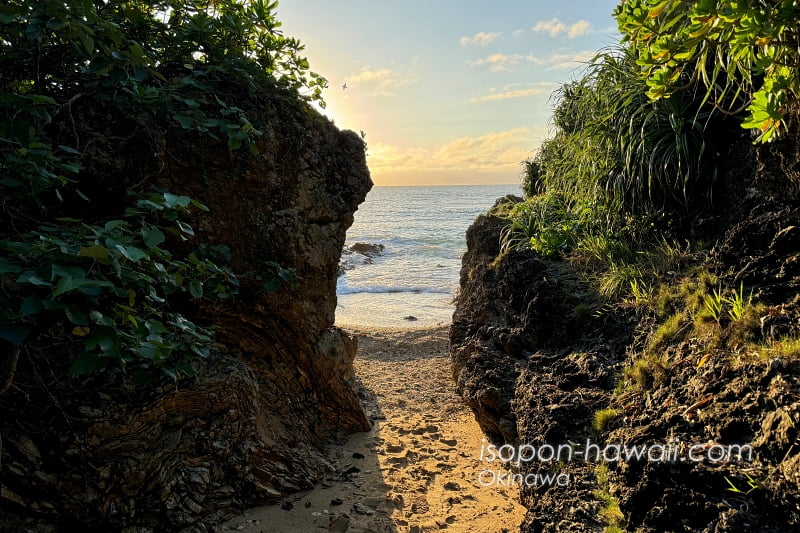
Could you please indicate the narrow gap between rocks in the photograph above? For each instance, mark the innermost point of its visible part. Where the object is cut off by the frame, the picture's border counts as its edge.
(417, 470)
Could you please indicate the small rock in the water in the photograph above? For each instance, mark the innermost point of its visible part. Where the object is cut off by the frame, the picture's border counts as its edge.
(287, 506)
(367, 249)
(410, 318)
(337, 501)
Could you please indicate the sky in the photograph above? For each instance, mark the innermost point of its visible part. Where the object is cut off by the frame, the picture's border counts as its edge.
(447, 91)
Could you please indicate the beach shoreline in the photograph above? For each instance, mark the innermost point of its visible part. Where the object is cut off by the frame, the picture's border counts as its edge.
(394, 311)
(417, 469)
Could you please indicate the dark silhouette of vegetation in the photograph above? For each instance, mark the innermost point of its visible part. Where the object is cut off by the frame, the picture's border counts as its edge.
(103, 275)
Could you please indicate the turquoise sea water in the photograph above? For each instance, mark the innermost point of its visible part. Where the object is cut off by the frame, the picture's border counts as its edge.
(423, 231)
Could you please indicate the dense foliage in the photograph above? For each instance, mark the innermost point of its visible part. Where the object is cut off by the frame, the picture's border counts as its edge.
(639, 131)
(614, 144)
(638, 136)
(618, 162)
(746, 53)
(108, 284)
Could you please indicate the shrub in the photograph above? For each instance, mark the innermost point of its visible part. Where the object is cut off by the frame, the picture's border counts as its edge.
(112, 284)
(745, 53)
(544, 223)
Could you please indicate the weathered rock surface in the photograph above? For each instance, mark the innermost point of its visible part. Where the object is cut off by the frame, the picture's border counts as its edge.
(367, 249)
(104, 454)
(358, 254)
(535, 357)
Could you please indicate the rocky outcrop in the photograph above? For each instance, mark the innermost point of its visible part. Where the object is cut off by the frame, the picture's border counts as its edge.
(103, 453)
(536, 355)
(532, 362)
(506, 311)
(360, 253)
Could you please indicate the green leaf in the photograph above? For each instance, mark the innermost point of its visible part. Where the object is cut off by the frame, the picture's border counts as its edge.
(68, 149)
(14, 334)
(173, 201)
(183, 120)
(154, 327)
(272, 285)
(99, 318)
(200, 206)
(149, 205)
(152, 237)
(31, 306)
(68, 284)
(33, 279)
(171, 373)
(132, 253)
(196, 289)
(8, 268)
(114, 224)
(185, 367)
(76, 316)
(95, 252)
(105, 339)
(40, 99)
(185, 228)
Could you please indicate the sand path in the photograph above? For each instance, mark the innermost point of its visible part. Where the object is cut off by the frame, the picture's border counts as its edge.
(416, 470)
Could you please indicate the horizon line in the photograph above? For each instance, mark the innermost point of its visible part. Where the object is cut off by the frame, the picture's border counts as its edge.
(446, 184)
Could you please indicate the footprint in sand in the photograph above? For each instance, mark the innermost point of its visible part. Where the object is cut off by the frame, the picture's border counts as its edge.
(399, 461)
(428, 429)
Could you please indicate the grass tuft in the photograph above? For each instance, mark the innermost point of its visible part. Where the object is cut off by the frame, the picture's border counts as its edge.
(603, 417)
(610, 513)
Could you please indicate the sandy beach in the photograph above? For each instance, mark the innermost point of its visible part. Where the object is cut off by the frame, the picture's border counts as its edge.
(416, 470)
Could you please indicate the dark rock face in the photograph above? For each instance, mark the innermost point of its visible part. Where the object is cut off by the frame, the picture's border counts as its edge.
(761, 251)
(250, 427)
(535, 363)
(779, 161)
(504, 313)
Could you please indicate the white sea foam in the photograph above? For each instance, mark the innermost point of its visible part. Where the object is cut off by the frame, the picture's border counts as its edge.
(423, 231)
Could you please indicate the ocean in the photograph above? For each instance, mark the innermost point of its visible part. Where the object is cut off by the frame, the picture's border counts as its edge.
(422, 234)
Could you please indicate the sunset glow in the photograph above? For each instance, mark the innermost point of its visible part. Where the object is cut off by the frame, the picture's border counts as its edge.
(447, 92)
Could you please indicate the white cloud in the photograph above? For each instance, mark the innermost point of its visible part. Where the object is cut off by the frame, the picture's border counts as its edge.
(381, 81)
(581, 27)
(555, 27)
(517, 33)
(508, 92)
(505, 63)
(497, 62)
(479, 39)
(552, 26)
(493, 152)
(563, 61)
